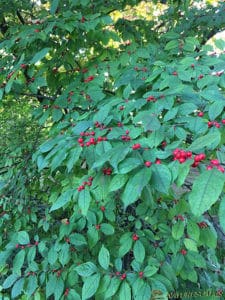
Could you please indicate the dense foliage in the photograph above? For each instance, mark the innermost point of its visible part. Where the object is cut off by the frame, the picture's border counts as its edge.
(112, 149)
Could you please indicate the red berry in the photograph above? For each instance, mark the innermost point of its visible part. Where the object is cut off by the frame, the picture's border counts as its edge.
(201, 114)
(210, 124)
(200, 76)
(97, 226)
(183, 251)
(220, 168)
(209, 167)
(148, 164)
(135, 237)
(174, 73)
(151, 98)
(102, 208)
(214, 162)
(158, 161)
(141, 274)
(80, 140)
(223, 121)
(123, 276)
(136, 146)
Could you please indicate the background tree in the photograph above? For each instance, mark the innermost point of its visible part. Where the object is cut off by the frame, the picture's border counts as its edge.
(111, 177)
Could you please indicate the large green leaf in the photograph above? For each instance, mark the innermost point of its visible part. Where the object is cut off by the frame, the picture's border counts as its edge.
(90, 286)
(178, 230)
(139, 251)
(135, 186)
(39, 55)
(206, 191)
(125, 291)
(149, 121)
(161, 178)
(62, 200)
(104, 257)
(222, 213)
(23, 238)
(210, 141)
(86, 269)
(84, 201)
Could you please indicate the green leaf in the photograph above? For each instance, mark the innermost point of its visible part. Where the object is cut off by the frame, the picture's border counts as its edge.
(117, 182)
(208, 238)
(39, 55)
(84, 201)
(90, 286)
(129, 164)
(178, 230)
(126, 244)
(54, 6)
(220, 44)
(139, 251)
(64, 255)
(78, 239)
(150, 270)
(107, 229)
(112, 288)
(149, 121)
(172, 45)
(104, 257)
(62, 200)
(18, 262)
(190, 245)
(17, 288)
(48, 145)
(32, 285)
(23, 238)
(212, 93)
(135, 186)
(154, 75)
(125, 291)
(9, 281)
(193, 230)
(206, 191)
(221, 213)
(161, 178)
(73, 158)
(102, 114)
(210, 141)
(86, 269)
(216, 109)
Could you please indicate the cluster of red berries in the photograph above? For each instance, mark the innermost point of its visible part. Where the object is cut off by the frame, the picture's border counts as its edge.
(198, 158)
(88, 183)
(179, 217)
(202, 225)
(91, 141)
(126, 137)
(26, 246)
(154, 99)
(107, 171)
(135, 237)
(89, 78)
(214, 163)
(214, 123)
(181, 155)
(66, 292)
